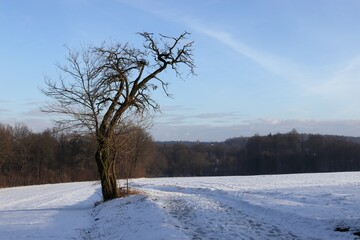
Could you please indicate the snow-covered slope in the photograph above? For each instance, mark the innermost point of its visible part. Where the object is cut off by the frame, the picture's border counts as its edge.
(299, 206)
(57, 211)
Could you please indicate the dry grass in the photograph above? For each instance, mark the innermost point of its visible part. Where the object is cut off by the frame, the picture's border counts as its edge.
(124, 192)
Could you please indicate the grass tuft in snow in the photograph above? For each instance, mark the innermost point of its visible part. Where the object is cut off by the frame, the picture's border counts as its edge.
(125, 192)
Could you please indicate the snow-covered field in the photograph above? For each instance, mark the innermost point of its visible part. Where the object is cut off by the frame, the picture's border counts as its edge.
(299, 206)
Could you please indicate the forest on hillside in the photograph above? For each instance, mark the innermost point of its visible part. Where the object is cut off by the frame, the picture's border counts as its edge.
(28, 158)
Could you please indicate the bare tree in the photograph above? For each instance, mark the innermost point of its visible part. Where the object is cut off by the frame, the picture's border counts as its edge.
(98, 85)
(6, 151)
(130, 143)
(22, 139)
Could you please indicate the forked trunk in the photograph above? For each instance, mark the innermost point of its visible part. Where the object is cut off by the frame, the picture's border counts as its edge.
(106, 169)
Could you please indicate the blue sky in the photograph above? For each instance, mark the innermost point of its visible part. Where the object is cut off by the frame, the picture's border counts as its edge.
(263, 66)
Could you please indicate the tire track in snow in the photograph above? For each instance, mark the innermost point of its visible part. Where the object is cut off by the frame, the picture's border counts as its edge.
(205, 215)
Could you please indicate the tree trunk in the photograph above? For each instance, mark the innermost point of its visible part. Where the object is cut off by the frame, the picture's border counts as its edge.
(106, 169)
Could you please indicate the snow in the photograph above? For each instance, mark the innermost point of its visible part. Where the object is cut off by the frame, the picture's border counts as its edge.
(295, 206)
(57, 211)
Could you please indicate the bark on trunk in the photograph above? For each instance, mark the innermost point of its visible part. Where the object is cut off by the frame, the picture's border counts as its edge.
(106, 170)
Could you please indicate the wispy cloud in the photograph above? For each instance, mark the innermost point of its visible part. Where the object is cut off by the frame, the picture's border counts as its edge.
(205, 132)
(4, 110)
(215, 115)
(35, 113)
(313, 88)
(281, 67)
(342, 83)
(33, 102)
(340, 89)
(186, 117)
(277, 65)
(175, 108)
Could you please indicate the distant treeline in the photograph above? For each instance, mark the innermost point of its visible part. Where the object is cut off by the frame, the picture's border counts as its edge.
(272, 154)
(28, 158)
